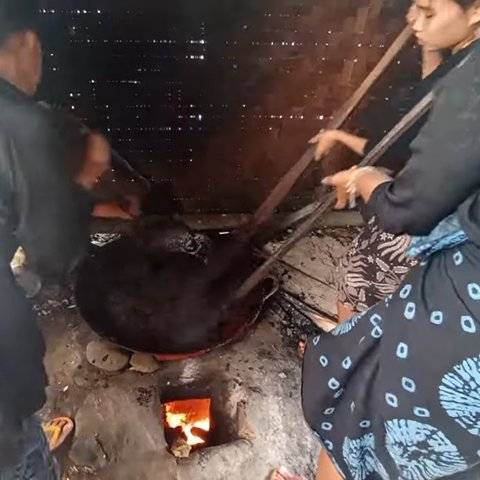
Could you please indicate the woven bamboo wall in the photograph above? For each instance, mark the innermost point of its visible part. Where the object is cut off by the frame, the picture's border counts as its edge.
(219, 96)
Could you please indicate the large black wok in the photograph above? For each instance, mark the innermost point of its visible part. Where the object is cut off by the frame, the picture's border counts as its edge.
(156, 290)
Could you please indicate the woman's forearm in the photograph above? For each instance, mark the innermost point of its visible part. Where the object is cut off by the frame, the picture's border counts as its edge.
(109, 210)
(353, 142)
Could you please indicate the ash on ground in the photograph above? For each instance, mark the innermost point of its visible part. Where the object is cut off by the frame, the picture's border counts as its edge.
(293, 323)
(54, 299)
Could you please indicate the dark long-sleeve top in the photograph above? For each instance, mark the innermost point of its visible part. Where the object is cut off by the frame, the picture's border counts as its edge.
(45, 212)
(443, 173)
(376, 120)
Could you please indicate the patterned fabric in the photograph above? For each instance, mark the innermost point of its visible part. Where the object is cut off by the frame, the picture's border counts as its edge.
(448, 233)
(394, 392)
(38, 463)
(373, 267)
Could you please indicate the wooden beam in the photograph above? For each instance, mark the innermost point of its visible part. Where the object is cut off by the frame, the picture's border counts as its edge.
(227, 221)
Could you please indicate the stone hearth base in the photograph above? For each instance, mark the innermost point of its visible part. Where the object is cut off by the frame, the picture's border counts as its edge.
(119, 433)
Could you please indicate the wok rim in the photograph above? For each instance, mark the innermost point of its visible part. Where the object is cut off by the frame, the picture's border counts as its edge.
(240, 332)
(238, 336)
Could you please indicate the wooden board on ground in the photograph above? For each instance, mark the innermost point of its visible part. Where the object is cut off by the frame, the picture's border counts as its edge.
(309, 270)
(226, 221)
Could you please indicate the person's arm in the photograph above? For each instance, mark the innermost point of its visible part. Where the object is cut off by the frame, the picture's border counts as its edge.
(326, 139)
(50, 215)
(110, 210)
(445, 166)
(53, 211)
(353, 142)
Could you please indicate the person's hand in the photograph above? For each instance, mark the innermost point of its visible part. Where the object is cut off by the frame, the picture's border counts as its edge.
(96, 162)
(134, 207)
(110, 210)
(341, 181)
(325, 141)
(98, 149)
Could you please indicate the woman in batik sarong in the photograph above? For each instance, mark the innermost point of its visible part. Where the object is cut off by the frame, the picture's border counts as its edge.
(376, 262)
(393, 392)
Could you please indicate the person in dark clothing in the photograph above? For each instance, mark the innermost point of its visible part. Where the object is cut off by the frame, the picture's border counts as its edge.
(393, 391)
(88, 158)
(121, 192)
(376, 262)
(47, 212)
(83, 144)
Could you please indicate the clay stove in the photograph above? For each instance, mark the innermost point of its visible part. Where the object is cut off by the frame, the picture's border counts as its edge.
(251, 391)
(253, 387)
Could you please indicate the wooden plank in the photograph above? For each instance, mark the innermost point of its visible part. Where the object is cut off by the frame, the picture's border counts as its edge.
(308, 271)
(321, 320)
(228, 221)
(205, 222)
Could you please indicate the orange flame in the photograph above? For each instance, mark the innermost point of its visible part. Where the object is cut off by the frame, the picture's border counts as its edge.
(188, 414)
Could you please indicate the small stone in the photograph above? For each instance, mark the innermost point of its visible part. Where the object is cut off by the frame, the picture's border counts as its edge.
(80, 381)
(245, 431)
(107, 356)
(144, 363)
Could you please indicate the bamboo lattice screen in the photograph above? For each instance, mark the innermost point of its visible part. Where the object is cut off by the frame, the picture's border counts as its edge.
(217, 96)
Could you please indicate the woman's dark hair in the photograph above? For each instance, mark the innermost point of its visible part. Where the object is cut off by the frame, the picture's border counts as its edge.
(17, 16)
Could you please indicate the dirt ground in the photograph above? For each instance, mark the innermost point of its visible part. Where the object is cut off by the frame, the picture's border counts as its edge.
(119, 433)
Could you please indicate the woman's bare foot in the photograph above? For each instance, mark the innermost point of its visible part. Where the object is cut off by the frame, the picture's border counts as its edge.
(282, 474)
(344, 311)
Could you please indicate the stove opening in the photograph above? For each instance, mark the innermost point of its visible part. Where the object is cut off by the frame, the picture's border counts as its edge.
(188, 424)
(203, 414)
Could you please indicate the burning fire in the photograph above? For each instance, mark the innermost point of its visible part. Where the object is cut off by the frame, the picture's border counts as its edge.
(189, 415)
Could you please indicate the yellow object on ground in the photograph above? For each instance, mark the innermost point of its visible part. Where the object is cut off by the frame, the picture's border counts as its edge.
(57, 431)
(19, 259)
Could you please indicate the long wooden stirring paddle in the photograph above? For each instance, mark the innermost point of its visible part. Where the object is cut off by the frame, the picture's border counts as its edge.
(327, 201)
(278, 194)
